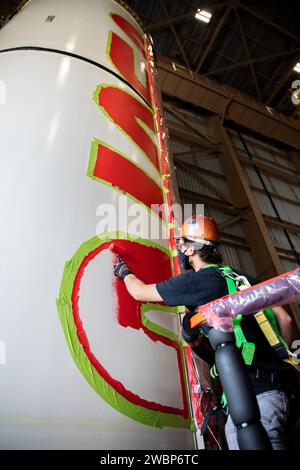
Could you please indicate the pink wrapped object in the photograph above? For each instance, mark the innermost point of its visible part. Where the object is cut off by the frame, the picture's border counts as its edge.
(279, 290)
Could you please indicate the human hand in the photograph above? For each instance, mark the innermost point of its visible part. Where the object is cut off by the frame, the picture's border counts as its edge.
(121, 270)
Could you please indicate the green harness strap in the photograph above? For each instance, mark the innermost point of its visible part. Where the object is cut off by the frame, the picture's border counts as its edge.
(248, 349)
(267, 322)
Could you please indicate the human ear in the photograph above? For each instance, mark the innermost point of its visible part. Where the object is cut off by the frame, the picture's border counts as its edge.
(190, 251)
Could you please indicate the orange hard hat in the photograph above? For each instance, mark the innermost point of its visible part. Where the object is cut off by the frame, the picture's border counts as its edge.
(200, 227)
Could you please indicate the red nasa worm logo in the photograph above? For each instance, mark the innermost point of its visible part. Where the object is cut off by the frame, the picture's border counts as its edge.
(109, 167)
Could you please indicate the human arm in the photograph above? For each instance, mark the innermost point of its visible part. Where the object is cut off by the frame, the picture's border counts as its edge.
(141, 291)
(285, 323)
(137, 288)
(173, 291)
(282, 317)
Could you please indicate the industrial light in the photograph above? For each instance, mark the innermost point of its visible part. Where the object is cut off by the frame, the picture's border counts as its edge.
(203, 15)
(297, 67)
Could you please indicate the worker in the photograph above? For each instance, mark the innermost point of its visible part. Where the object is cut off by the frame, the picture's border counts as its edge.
(204, 281)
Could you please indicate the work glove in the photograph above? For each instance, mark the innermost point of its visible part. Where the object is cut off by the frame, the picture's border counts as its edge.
(121, 270)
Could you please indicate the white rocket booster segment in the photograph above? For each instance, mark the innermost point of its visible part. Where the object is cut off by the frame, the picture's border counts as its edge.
(83, 365)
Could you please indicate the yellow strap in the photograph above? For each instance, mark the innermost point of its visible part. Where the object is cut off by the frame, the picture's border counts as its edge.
(266, 328)
(289, 361)
(268, 331)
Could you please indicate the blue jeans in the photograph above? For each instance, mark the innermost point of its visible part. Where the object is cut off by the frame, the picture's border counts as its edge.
(274, 412)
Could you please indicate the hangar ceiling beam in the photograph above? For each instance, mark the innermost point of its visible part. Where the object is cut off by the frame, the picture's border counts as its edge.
(246, 47)
(277, 55)
(205, 51)
(184, 56)
(173, 19)
(271, 23)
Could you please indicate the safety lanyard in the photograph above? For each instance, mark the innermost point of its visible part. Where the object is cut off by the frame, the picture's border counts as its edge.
(265, 319)
(248, 348)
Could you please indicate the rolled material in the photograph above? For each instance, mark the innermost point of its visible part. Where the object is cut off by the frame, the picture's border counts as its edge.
(276, 291)
(242, 404)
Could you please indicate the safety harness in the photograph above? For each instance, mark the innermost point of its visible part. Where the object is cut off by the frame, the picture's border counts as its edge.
(265, 319)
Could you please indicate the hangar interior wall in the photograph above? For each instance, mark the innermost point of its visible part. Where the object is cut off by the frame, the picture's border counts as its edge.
(257, 197)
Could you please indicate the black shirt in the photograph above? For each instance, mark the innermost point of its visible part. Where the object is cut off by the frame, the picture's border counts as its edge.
(194, 289)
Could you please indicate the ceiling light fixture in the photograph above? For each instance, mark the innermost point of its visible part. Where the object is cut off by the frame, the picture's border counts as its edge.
(297, 67)
(203, 15)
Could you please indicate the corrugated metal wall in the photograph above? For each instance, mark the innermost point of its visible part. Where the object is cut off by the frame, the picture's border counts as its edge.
(272, 204)
(262, 181)
(234, 252)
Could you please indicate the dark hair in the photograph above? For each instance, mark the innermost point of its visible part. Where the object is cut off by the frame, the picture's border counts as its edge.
(211, 254)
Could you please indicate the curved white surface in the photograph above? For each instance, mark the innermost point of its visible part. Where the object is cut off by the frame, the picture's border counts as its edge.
(49, 208)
